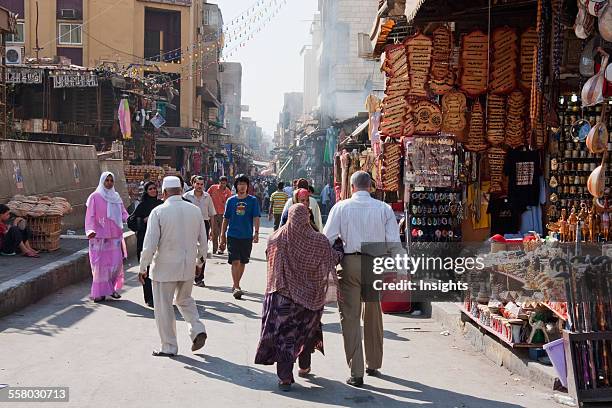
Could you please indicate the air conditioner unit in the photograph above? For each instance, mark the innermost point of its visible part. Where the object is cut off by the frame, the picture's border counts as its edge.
(14, 55)
(68, 14)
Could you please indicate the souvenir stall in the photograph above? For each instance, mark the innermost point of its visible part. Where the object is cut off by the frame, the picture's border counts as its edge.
(493, 129)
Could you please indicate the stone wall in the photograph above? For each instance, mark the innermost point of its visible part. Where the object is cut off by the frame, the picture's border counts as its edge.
(56, 169)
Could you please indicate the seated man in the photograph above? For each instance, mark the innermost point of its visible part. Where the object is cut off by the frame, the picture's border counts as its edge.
(14, 235)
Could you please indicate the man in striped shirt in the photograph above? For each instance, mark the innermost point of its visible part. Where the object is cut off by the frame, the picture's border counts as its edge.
(277, 203)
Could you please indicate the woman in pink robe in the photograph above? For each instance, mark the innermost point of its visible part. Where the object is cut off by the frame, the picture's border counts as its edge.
(104, 227)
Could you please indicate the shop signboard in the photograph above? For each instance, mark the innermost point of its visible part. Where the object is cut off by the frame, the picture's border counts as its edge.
(75, 80)
(24, 76)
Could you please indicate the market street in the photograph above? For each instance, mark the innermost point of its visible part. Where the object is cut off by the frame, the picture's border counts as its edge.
(103, 353)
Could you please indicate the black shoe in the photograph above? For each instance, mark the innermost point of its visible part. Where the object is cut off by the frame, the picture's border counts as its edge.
(355, 381)
(200, 284)
(199, 342)
(373, 372)
(99, 299)
(150, 304)
(284, 387)
(237, 293)
(115, 295)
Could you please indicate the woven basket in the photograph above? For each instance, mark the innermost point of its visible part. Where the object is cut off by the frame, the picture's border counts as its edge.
(46, 225)
(48, 243)
(46, 232)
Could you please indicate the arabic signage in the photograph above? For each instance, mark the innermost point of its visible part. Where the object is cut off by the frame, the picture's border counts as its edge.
(24, 76)
(74, 80)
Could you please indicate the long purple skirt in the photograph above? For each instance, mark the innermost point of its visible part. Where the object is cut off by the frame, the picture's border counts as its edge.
(287, 330)
(106, 259)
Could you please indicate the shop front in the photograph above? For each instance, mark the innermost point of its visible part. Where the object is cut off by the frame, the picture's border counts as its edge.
(492, 133)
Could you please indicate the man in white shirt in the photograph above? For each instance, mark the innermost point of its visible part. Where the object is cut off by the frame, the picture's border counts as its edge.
(174, 230)
(361, 219)
(204, 202)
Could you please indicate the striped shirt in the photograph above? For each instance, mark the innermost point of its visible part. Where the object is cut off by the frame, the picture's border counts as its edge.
(277, 201)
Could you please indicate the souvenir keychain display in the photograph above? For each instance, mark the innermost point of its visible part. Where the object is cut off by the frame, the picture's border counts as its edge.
(435, 216)
(431, 162)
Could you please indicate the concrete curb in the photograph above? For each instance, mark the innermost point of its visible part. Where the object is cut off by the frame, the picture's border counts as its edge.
(515, 361)
(29, 288)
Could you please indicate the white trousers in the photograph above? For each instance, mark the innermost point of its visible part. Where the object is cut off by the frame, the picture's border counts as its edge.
(165, 319)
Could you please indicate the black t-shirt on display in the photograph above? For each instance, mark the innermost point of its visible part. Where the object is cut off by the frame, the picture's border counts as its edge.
(505, 216)
(523, 170)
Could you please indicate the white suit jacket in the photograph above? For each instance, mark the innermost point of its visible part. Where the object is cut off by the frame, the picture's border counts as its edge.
(175, 239)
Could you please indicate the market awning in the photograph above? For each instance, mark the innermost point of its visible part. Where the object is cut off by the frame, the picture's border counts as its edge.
(412, 8)
(360, 128)
(285, 167)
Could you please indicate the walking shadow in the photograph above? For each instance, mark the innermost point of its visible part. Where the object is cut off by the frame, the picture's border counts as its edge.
(337, 329)
(247, 295)
(226, 307)
(133, 309)
(334, 393)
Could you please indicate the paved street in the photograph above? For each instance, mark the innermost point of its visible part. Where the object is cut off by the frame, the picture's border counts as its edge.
(103, 353)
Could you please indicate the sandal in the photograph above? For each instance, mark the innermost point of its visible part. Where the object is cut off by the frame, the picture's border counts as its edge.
(115, 295)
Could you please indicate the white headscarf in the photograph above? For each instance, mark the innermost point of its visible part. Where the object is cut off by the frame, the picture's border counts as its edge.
(114, 203)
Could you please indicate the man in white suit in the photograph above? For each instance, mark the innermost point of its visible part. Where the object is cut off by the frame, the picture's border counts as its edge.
(175, 238)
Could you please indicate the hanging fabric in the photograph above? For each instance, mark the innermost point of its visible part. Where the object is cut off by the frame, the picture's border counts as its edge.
(125, 120)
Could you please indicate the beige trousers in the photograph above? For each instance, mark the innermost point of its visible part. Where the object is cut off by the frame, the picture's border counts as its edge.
(349, 280)
(163, 295)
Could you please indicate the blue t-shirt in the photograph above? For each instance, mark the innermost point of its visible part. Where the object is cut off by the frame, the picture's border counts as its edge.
(240, 214)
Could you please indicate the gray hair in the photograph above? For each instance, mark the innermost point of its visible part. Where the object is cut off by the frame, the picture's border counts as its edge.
(173, 191)
(361, 180)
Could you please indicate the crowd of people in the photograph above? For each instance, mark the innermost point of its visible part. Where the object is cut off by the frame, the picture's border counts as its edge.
(173, 231)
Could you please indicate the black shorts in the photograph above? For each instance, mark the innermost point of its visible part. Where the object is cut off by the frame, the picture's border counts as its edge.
(239, 250)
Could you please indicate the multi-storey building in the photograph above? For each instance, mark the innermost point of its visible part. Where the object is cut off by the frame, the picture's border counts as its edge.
(231, 95)
(345, 79)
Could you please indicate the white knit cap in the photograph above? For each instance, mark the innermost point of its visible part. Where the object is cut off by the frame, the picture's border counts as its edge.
(171, 182)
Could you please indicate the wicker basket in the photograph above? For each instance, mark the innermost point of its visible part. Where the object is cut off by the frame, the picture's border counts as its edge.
(46, 225)
(48, 243)
(46, 232)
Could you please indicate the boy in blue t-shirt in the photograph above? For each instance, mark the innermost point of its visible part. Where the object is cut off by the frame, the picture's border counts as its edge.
(241, 216)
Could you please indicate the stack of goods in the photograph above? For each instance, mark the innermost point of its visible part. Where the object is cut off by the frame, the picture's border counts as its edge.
(390, 169)
(454, 105)
(442, 77)
(427, 117)
(474, 59)
(496, 156)
(44, 215)
(397, 121)
(515, 124)
(383, 33)
(419, 49)
(476, 139)
(529, 42)
(170, 171)
(136, 173)
(496, 119)
(503, 70)
(34, 207)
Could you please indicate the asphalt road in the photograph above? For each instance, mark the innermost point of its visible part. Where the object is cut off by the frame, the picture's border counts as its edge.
(103, 353)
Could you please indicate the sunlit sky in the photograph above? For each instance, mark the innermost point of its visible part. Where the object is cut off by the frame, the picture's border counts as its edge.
(271, 62)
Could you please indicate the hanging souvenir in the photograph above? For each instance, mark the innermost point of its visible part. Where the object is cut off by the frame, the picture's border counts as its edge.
(454, 106)
(592, 91)
(496, 119)
(427, 117)
(585, 22)
(476, 138)
(442, 77)
(505, 60)
(605, 23)
(597, 139)
(515, 123)
(495, 158)
(419, 48)
(474, 61)
(529, 41)
(394, 105)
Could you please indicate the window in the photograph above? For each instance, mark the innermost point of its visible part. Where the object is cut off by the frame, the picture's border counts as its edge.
(210, 17)
(18, 37)
(70, 34)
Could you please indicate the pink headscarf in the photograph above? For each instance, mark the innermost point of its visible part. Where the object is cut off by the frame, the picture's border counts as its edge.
(292, 270)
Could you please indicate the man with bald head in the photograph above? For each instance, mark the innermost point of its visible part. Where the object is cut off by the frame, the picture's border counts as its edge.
(175, 238)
